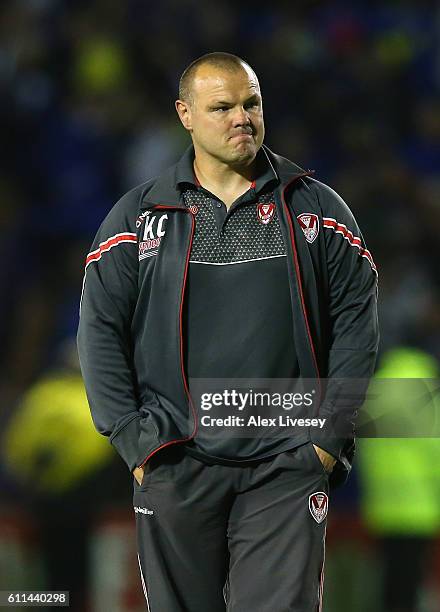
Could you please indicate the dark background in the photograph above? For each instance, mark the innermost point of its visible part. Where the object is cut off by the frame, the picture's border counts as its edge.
(350, 90)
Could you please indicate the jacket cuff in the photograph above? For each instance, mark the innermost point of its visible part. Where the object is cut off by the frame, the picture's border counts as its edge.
(126, 442)
(335, 437)
(332, 445)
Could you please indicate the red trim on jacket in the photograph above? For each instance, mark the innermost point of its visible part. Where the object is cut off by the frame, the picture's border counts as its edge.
(109, 244)
(355, 241)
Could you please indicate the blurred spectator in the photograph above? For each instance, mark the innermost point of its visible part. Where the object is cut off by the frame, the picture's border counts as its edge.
(399, 477)
(61, 469)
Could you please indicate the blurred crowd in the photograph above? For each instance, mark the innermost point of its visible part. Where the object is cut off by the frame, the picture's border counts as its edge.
(350, 90)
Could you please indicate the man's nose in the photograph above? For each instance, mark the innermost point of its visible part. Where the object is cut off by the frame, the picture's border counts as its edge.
(241, 116)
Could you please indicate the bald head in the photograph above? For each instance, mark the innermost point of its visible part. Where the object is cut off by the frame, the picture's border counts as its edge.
(224, 62)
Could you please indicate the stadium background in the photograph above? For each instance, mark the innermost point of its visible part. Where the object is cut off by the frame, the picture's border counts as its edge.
(86, 112)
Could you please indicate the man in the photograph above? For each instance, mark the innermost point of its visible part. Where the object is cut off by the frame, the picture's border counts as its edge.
(234, 263)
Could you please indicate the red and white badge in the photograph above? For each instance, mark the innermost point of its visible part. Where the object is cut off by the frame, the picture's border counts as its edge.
(265, 213)
(318, 505)
(309, 223)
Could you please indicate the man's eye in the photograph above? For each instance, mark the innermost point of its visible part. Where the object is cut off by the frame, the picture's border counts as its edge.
(221, 108)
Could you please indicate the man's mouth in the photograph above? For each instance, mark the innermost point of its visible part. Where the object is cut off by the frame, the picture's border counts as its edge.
(242, 136)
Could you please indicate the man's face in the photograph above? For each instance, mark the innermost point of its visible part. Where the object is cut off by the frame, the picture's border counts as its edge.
(225, 117)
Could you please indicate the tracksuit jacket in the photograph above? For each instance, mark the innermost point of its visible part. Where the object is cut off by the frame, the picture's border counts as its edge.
(130, 337)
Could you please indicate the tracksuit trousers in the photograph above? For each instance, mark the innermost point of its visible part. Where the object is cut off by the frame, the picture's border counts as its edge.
(248, 538)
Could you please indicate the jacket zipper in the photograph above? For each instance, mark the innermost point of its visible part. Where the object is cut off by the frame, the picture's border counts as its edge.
(185, 382)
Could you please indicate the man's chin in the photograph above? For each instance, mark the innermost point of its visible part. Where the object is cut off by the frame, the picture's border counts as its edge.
(243, 155)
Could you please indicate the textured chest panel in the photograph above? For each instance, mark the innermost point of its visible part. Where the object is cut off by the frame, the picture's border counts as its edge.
(243, 236)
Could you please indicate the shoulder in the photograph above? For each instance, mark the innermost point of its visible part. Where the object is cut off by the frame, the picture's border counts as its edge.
(331, 203)
(124, 213)
(130, 202)
(324, 200)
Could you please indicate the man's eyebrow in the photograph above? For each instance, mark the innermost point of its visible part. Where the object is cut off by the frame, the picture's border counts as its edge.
(254, 96)
(220, 102)
(251, 98)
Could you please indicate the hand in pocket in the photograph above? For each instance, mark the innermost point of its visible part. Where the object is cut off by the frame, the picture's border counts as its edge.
(327, 460)
(138, 473)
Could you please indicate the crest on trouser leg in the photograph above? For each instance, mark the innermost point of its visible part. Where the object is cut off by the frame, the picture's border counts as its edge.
(318, 505)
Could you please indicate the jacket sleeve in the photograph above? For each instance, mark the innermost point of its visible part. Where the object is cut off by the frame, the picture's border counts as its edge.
(107, 304)
(353, 325)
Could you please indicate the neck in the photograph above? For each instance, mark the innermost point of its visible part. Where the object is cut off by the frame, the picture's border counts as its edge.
(222, 178)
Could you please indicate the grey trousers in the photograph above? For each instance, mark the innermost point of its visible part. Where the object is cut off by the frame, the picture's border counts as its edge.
(247, 538)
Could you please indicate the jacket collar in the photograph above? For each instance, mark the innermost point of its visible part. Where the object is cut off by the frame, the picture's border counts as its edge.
(166, 191)
(286, 170)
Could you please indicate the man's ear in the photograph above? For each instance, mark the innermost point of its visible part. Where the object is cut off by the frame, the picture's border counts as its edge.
(184, 111)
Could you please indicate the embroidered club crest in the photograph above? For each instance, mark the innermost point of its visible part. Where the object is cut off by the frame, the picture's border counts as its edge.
(265, 213)
(193, 209)
(310, 225)
(318, 505)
